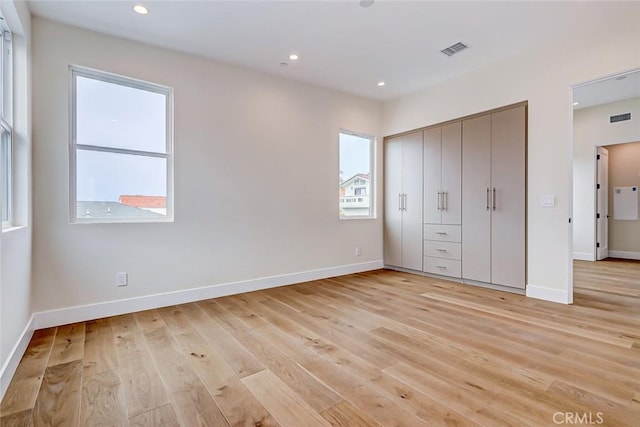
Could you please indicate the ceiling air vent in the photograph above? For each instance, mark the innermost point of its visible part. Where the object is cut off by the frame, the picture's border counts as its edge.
(620, 118)
(454, 48)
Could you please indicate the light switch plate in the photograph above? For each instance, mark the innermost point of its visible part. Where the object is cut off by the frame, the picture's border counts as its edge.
(548, 201)
(122, 279)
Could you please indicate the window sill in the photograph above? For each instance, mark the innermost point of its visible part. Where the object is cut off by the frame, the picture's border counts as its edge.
(12, 228)
(348, 218)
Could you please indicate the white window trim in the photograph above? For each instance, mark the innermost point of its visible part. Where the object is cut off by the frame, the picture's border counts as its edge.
(73, 146)
(372, 160)
(6, 115)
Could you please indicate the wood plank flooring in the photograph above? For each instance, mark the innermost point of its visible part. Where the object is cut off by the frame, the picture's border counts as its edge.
(381, 348)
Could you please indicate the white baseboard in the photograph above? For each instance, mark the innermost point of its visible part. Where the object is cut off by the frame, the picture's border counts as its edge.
(549, 294)
(11, 364)
(63, 316)
(584, 256)
(624, 254)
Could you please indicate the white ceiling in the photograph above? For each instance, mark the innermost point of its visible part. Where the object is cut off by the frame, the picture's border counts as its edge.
(613, 89)
(341, 44)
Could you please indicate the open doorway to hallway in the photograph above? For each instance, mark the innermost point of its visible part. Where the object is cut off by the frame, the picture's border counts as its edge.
(606, 184)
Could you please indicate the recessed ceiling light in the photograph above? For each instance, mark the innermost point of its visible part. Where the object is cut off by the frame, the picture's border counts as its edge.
(575, 103)
(293, 57)
(140, 9)
(366, 3)
(381, 83)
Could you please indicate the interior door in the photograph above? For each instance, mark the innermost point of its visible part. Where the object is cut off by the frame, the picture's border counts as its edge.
(602, 202)
(508, 193)
(476, 193)
(393, 202)
(432, 176)
(412, 203)
(452, 173)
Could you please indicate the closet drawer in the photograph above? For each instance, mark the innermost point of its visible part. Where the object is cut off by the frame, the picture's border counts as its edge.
(444, 267)
(449, 250)
(443, 233)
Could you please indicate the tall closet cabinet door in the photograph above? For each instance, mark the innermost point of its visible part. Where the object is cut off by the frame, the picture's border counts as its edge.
(412, 207)
(451, 173)
(432, 175)
(508, 179)
(476, 189)
(393, 202)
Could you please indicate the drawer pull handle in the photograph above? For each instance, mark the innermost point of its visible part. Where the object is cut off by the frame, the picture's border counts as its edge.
(441, 250)
(441, 267)
(441, 232)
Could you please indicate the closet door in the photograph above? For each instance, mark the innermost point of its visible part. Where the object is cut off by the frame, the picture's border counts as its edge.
(476, 193)
(452, 173)
(432, 175)
(412, 206)
(508, 211)
(393, 202)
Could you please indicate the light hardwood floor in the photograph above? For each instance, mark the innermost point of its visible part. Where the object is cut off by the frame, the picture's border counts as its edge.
(378, 348)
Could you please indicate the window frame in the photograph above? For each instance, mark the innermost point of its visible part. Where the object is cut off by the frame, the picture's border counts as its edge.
(74, 72)
(6, 119)
(372, 173)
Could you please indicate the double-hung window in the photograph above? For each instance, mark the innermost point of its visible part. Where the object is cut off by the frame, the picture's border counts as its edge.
(6, 129)
(121, 149)
(356, 175)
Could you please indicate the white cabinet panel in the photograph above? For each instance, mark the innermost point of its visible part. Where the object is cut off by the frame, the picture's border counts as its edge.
(392, 202)
(448, 250)
(403, 201)
(442, 174)
(494, 195)
(443, 233)
(445, 267)
(508, 207)
(452, 173)
(432, 175)
(412, 190)
(476, 196)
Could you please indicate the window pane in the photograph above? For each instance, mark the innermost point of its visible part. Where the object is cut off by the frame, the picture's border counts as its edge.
(5, 154)
(113, 115)
(116, 186)
(355, 176)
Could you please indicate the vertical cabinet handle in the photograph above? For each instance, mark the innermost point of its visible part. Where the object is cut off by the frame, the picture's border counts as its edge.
(445, 200)
(399, 201)
(487, 198)
(494, 198)
(439, 208)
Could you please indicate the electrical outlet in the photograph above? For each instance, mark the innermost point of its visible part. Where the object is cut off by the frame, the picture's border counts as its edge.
(358, 252)
(122, 279)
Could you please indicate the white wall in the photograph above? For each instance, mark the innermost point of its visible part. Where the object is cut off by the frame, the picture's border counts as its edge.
(542, 76)
(591, 128)
(15, 255)
(256, 177)
(624, 171)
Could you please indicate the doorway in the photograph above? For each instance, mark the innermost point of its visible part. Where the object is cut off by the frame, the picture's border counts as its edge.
(606, 115)
(602, 204)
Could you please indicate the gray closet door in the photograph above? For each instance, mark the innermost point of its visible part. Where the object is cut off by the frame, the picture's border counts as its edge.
(412, 190)
(508, 211)
(393, 202)
(432, 175)
(451, 173)
(476, 193)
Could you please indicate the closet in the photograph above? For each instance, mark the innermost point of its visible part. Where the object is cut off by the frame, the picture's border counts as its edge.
(403, 201)
(455, 199)
(493, 194)
(442, 199)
